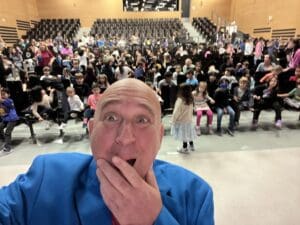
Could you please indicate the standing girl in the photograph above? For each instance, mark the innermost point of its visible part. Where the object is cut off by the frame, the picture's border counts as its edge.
(200, 102)
(182, 127)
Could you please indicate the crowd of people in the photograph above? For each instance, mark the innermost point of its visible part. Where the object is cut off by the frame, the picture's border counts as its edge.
(66, 79)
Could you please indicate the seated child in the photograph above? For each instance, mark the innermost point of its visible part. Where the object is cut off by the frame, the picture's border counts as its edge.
(75, 103)
(9, 118)
(92, 103)
(241, 98)
(223, 98)
(200, 103)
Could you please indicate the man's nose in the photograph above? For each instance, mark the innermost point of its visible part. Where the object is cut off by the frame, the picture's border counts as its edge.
(125, 134)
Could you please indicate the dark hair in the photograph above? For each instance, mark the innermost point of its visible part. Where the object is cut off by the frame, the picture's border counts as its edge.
(6, 90)
(36, 94)
(185, 92)
(168, 75)
(121, 65)
(297, 45)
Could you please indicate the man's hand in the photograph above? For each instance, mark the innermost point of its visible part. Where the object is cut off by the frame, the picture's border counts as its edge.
(131, 199)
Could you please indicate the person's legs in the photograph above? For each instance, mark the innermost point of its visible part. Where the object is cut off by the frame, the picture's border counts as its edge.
(292, 102)
(184, 148)
(237, 116)
(191, 143)
(231, 113)
(256, 113)
(9, 128)
(199, 115)
(277, 107)
(2, 126)
(88, 113)
(219, 118)
(209, 114)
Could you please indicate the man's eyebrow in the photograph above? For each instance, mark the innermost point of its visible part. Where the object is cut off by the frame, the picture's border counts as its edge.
(106, 103)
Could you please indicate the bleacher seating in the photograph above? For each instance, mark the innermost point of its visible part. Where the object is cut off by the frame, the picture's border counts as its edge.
(205, 27)
(48, 28)
(144, 28)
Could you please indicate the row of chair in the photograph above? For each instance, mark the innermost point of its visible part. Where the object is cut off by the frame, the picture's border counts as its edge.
(144, 28)
(48, 28)
(205, 27)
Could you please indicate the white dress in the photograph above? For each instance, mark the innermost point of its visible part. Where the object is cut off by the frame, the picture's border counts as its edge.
(182, 128)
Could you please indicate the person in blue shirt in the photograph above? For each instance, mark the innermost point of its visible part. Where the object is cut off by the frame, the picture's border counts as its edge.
(121, 183)
(190, 79)
(8, 117)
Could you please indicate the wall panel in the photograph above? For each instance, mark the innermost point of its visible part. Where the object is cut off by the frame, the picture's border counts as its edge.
(277, 14)
(88, 11)
(217, 10)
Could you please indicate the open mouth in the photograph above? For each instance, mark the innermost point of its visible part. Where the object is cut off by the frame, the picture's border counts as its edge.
(131, 161)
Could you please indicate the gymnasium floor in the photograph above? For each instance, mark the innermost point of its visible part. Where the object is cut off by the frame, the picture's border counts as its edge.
(254, 175)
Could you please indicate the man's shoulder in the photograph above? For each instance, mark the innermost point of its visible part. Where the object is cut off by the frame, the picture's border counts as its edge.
(62, 163)
(177, 175)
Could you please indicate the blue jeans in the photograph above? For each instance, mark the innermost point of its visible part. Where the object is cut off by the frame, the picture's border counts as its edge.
(220, 113)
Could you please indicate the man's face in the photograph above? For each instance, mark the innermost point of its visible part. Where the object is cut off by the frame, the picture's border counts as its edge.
(127, 124)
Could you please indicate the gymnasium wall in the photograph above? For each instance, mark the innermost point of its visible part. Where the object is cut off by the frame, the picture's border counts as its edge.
(267, 18)
(217, 10)
(88, 11)
(16, 16)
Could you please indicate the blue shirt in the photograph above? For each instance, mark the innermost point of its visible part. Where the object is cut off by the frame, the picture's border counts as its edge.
(193, 81)
(63, 189)
(10, 112)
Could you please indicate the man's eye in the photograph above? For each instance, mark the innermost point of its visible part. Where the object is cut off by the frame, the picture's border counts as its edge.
(111, 118)
(142, 120)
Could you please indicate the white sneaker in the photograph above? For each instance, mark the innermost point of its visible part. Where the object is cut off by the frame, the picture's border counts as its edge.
(62, 126)
(209, 129)
(198, 131)
(183, 150)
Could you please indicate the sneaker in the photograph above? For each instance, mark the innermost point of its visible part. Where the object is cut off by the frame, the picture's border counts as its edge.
(192, 148)
(209, 129)
(73, 115)
(278, 124)
(198, 131)
(230, 132)
(6, 149)
(183, 150)
(254, 125)
(62, 126)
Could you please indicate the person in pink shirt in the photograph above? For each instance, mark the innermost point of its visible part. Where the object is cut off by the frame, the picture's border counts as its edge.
(44, 56)
(92, 103)
(258, 50)
(66, 50)
(295, 57)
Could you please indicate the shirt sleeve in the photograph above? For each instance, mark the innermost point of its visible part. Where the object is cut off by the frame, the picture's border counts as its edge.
(292, 92)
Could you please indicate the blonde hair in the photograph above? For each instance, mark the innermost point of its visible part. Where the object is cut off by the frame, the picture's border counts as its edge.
(277, 69)
(243, 79)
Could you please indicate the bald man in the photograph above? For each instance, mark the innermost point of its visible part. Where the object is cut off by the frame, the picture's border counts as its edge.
(121, 183)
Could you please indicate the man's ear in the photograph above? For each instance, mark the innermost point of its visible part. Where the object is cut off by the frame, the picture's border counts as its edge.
(162, 132)
(90, 125)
